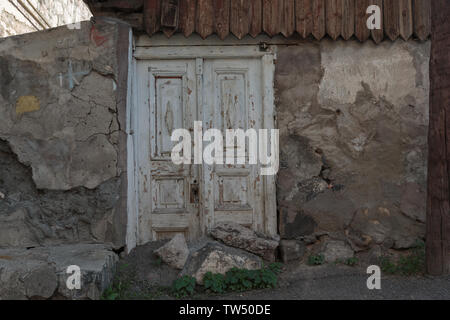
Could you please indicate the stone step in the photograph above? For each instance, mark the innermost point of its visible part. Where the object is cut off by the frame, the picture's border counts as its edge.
(41, 273)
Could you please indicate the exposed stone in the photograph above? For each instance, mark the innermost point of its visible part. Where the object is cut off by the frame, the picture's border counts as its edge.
(383, 226)
(175, 252)
(41, 282)
(413, 202)
(217, 258)
(15, 231)
(350, 142)
(405, 242)
(294, 223)
(97, 264)
(31, 217)
(238, 236)
(17, 265)
(336, 250)
(40, 273)
(291, 250)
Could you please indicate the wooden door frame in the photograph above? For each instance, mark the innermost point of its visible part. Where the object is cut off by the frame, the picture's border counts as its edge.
(208, 50)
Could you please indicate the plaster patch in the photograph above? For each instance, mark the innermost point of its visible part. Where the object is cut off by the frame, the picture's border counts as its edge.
(388, 70)
(27, 104)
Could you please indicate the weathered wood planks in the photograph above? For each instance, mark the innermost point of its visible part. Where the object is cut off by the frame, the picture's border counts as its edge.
(422, 19)
(303, 17)
(240, 18)
(318, 19)
(348, 19)
(438, 202)
(392, 18)
(334, 11)
(378, 34)
(152, 16)
(362, 33)
(255, 17)
(308, 18)
(187, 17)
(406, 19)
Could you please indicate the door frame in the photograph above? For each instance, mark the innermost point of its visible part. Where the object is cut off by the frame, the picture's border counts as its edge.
(208, 50)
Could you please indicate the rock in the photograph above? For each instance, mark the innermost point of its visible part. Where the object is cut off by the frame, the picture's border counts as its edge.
(337, 250)
(413, 202)
(175, 252)
(405, 243)
(40, 273)
(41, 282)
(19, 272)
(291, 250)
(383, 226)
(217, 258)
(235, 235)
(15, 231)
(294, 223)
(97, 263)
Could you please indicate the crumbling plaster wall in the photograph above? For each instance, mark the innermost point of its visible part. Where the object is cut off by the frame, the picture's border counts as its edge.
(353, 122)
(62, 140)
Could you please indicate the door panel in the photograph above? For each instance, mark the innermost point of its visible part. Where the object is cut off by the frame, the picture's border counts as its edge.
(233, 100)
(168, 101)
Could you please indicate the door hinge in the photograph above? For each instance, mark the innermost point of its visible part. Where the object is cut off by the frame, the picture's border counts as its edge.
(199, 66)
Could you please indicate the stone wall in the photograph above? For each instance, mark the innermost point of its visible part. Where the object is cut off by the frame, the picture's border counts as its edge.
(62, 140)
(41, 14)
(353, 122)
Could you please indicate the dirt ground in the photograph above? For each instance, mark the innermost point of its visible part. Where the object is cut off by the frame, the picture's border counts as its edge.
(142, 275)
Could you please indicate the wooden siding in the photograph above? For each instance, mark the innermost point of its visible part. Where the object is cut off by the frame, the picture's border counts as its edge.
(307, 18)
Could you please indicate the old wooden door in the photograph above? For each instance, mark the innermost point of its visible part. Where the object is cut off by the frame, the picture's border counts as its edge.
(221, 93)
(168, 193)
(233, 100)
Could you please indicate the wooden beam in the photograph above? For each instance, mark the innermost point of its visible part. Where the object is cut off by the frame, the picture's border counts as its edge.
(318, 19)
(406, 19)
(205, 18)
(271, 25)
(287, 17)
(348, 19)
(422, 19)
(255, 17)
(303, 13)
(334, 17)
(378, 34)
(222, 18)
(392, 18)
(187, 17)
(240, 18)
(362, 33)
(169, 16)
(152, 16)
(438, 202)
